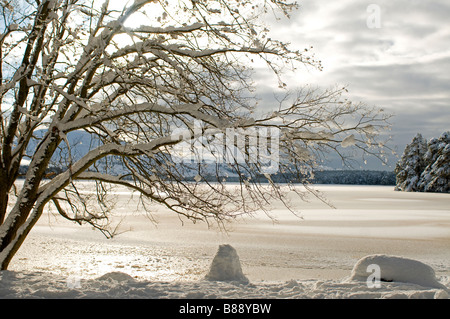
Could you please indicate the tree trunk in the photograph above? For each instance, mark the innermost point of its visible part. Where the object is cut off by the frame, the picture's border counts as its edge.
(13, 245)
(17, 224)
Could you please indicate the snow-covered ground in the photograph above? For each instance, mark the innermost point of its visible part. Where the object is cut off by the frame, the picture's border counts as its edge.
(308, 257)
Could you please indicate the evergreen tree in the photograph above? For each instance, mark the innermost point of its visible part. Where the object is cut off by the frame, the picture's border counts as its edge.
(411, 165)
(436, 175)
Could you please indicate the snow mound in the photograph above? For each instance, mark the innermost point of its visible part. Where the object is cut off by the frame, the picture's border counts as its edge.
(226, 266)
(116, 276)
(397, 269)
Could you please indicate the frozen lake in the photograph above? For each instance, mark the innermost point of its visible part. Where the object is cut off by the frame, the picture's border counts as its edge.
(324, 244)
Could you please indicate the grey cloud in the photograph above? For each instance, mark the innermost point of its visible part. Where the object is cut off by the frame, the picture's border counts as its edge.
(402, 66)
(397, 80)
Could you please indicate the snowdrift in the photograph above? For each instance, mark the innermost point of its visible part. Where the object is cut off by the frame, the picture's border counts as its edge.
(401, 278)
(396, 269)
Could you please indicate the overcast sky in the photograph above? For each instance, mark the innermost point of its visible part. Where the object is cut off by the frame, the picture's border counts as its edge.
(401, 64)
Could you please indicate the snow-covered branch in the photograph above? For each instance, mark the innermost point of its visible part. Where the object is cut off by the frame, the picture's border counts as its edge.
(188, 109)
(167, 30)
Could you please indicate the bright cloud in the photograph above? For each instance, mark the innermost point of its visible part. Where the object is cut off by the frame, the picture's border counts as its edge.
(402, 66)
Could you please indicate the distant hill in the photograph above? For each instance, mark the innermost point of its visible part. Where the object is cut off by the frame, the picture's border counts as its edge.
(80, 143)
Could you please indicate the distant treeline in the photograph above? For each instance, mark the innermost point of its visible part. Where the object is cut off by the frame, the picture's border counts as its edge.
(343, 177)
(355, 177)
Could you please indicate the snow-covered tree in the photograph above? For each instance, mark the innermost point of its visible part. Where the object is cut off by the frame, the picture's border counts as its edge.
(425, 166)
(411, 165)
(436, 175)
(130, 74)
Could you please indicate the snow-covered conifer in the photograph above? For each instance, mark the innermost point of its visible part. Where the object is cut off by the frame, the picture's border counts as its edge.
(410, 166)
(436, 175)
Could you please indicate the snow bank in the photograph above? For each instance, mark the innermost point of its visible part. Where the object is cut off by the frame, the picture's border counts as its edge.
(226, 266)
(402, 278)
(42, 285)
(398, 269)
